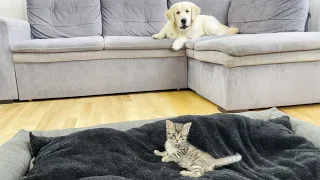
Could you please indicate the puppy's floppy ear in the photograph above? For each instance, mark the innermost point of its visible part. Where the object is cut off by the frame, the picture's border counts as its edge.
(170, 15)
(195, 10)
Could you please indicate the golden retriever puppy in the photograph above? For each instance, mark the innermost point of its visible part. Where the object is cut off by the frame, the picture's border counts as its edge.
(186, 22)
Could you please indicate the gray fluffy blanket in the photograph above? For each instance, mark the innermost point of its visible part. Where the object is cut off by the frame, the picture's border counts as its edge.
(270, 151)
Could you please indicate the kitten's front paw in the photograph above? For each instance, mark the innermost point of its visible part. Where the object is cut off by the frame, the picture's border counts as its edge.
(156, 36)
(166, 159)
(177, 45)
(156, 152)
(191, 174)
(185, 173)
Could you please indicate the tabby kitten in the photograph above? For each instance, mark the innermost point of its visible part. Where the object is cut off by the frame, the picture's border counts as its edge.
(179, 150)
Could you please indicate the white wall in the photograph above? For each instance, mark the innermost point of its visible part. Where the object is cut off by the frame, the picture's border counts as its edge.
(17, 9)
(13, 9)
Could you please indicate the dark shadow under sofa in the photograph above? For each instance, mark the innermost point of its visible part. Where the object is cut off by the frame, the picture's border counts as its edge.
(103, 47)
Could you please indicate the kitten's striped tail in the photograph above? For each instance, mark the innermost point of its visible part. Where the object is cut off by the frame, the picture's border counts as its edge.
(227, 160)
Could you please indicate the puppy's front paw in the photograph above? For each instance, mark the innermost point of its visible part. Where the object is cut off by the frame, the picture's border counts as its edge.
(177, 45)
(156, 36)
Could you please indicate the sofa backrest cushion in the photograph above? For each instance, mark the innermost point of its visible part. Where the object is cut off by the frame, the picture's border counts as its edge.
(133, 17)
(268, 16)
(217, 8)
(64, 18)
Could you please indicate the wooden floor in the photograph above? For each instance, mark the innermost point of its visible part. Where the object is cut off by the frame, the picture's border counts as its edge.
(89, 111)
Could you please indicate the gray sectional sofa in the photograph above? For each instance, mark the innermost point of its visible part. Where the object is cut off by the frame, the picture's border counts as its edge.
(95, 47)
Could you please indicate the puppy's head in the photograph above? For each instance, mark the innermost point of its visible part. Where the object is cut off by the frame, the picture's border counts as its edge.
(183, 14)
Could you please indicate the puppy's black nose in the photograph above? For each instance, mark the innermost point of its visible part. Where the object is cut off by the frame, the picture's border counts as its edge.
(184, 21)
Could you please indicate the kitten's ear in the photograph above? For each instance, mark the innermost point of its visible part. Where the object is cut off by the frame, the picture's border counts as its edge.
(186, 128)
(169, 124)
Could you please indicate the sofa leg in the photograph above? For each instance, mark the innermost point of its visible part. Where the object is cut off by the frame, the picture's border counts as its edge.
(6, 102)
(232, 111)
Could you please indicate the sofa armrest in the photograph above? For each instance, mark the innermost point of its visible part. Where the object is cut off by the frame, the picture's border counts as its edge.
(11, 31)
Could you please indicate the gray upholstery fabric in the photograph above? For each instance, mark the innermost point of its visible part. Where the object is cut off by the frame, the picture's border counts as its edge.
(301, 128)
(217, 8)
(15, 157)
(209, 81)
(82, 78)
(190, 53)
(243, 45)
(11, 31)
(134, 42)
(253, 60)
(253, 87)
(95, 55)
(192, 42)
(133, 18)
(93, 43)
(64, 19)
(314, 22)
(261, 16)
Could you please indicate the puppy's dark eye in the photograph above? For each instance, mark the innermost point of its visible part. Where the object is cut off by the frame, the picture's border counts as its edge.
(178, 12)
(187, 11)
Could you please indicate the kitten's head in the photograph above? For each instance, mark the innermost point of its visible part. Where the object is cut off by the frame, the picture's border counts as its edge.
(177, 133)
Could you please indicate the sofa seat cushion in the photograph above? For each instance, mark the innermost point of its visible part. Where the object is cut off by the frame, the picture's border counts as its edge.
(217, 57)
(255, 44)
(77, 44)
(192, 42)
(135, 42)
(95, 55)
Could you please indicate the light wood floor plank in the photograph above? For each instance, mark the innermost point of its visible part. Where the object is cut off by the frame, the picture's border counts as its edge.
(90, 111)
